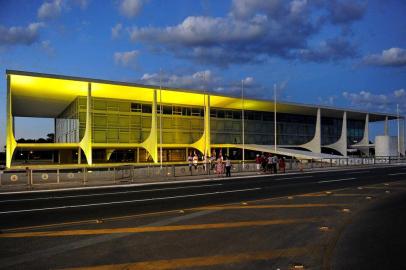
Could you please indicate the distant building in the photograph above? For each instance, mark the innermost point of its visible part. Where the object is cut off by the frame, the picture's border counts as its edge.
(100, 121)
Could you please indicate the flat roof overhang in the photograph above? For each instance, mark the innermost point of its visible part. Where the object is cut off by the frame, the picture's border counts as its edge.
(47, 95)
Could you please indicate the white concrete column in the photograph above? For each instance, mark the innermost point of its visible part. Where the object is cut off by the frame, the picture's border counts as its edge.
(341, 144)
(315, 144)
(86, 142)
(11, 143)
(151, 143)
(365, 138)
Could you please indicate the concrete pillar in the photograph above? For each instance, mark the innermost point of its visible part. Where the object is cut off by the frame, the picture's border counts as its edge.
(315, 144)
(363, 144)
(341, 144)
(109, 152)
(11, 143)
(86, 142)
(151, 143)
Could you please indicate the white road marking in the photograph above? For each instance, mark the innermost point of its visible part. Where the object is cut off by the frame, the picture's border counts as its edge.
(107, 193)
(357, 172)
(396, 173)
(128, 201)
(336, 180)
(296, 177)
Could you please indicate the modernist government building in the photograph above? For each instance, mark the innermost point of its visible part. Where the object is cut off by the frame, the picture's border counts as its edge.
(100, 121)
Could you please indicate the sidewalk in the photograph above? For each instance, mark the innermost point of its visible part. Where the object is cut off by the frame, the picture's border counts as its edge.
(95, 184)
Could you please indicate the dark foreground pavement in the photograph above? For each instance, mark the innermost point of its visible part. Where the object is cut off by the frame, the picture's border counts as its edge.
(310, 221)
(375, 238)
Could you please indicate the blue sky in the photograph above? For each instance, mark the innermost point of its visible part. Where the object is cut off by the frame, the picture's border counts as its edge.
(339, 52)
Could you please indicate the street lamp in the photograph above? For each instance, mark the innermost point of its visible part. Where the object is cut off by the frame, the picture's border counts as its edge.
(243, 123)
(160, 113)
(398, 118)
(274, 115)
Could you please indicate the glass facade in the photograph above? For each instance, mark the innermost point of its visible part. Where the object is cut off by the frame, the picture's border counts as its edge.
(124, 121)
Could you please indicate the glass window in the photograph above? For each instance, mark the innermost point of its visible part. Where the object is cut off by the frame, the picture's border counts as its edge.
(146, 108)
(236, 114)
(228, 114)
(185, 111)
(167, 109)
(177, 110)
(135, 107)
(197, 112)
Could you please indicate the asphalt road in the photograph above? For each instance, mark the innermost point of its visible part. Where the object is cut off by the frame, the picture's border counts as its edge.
(375, 239)
(39, 208)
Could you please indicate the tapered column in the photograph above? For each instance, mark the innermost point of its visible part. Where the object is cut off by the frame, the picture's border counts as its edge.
(204, 143)
(11, 143)
(365, 138)
(86, 142)
(341, 144)
(315, 144)
(151, 143)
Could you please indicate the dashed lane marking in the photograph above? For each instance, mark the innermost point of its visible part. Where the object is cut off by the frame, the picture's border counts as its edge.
(127, 201)
(108, 193)
(159, 228)
(274, 206)
(206, 261)
(336, 180)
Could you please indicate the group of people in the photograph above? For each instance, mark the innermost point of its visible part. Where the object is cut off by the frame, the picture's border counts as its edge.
(270, 163)
(219, 165)
(222, 164)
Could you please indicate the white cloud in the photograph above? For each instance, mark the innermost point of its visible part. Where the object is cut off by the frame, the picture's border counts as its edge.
(126, 59)
(50, 10)
(400, 93)
(17, 35)
(116, 30)
(205, 80)
(330, 100)
(395, 57)
(248, 81)
(377, 102)
(196, 80)
(130, 8)
(253, 31)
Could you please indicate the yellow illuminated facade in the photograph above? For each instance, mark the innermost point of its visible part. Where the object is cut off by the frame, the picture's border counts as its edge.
(103, 119)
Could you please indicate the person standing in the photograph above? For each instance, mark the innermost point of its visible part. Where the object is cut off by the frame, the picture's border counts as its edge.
(205, 161)
(258, 162)
(195, 160)
(282, 165)
(275, 164)
(264, 162)
(269, 166)
(190, 160)
(228, 167)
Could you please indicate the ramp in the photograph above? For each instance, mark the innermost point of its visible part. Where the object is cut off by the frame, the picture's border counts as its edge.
(299, 154)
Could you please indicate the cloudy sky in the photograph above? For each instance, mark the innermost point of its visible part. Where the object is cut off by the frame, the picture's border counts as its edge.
(343, 53)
